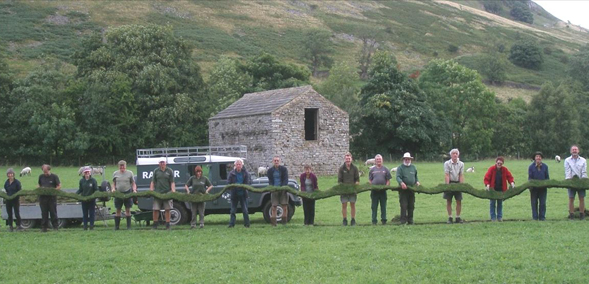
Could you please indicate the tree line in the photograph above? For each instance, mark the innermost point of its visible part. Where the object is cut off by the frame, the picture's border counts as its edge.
(139, 87)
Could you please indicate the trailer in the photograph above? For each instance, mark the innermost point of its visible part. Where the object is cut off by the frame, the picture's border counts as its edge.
(69, 212)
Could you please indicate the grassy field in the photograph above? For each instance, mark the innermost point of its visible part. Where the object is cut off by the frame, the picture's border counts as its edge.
(517, 250)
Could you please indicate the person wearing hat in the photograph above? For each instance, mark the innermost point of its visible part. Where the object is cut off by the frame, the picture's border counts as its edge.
(162, 182)
(348, 174)
(12, 186)
(407, 176)
(496, 178)
(124, 183)
(575, 166)
(454, 173)
(538, 171)
(199, 185)
(48, 203)
(87, 187)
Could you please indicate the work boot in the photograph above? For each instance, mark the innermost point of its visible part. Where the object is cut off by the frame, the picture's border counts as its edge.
(345, 222)
(154, 226)
(202, 225)
(450, 220)
(353, 223)
(284, 215)
(459, 221)
(117, 222)
(168, 226)
(20, 228)
(273, 221)
(91, 227)
(11, 229)
(128, 222)
(571, 216)
(85, 227)
(384, 222)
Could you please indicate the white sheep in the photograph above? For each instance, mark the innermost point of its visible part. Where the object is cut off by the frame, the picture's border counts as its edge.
(262, 171)
(393, 170)
(97, 171)
(80, 171)
(470, 170)
(370, 162)
(557, 158)
(26, 171)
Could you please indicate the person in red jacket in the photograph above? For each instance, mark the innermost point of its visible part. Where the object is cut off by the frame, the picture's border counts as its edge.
(496, 179)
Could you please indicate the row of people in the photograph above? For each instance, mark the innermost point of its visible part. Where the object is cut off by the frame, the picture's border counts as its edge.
(497, 178)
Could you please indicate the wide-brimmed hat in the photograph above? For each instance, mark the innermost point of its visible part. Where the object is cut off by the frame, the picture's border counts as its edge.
(538, 153)
(87, 169)
(407, 155)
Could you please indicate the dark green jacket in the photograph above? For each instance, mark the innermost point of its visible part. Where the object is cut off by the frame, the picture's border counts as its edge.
(407, 174)
(87, 186)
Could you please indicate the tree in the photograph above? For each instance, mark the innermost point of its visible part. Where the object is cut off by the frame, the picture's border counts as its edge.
(369, 46)
(494, 68)
(269, 74)
(509, 136)
(579, 66)
(521, 12)
(526, 54)
(553, 120)
(227, 83)
(7, 105)
(317, 48)
(341, 86)
(43, 118)
(146, 78)
(459, 97)
(493, 6)
(394, 117)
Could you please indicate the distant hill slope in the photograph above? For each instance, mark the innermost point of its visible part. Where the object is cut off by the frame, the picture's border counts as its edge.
(416, 31)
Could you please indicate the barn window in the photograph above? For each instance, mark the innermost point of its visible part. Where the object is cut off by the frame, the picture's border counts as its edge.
(311, 119)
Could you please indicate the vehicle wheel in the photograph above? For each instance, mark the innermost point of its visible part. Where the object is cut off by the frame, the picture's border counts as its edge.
(61, 223)
(268, 211)
(178, 214)
(105, 187)
(28, 223)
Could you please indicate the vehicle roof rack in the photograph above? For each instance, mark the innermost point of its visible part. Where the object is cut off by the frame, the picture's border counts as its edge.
(228, 150)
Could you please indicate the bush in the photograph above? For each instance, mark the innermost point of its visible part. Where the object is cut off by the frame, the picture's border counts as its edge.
(452, 48)
(526, 54)
(521, 12)
(547, 50)
(493, 7)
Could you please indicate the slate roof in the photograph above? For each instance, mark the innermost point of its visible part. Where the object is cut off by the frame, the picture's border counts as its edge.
(261, 102)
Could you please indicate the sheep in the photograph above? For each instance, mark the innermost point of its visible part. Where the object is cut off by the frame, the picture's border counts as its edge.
(97, 171)
(80, 170)
(369, 162)
(25, 171)
(262, 171)
(470, 170)
(393, 170)
(557, 158)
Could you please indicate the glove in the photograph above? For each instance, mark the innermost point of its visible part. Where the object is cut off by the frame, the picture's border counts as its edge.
(513, 185)
(487, 187)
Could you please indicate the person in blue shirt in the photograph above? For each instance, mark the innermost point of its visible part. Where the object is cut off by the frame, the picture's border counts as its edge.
(239, 175)
(278, 176)
(538, 171)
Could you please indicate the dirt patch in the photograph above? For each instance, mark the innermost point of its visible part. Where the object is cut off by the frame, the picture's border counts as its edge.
(57, 20)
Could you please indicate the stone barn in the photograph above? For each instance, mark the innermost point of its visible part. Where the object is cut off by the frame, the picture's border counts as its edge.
(297, 124)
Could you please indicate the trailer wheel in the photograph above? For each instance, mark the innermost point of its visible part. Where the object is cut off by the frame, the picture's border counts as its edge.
(28, 223)
(178, 214)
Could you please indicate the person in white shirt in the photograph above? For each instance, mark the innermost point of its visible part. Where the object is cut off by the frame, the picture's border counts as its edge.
(575, 166)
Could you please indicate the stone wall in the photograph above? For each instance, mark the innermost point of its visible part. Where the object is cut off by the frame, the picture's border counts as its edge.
(251, 131)
(325, 154)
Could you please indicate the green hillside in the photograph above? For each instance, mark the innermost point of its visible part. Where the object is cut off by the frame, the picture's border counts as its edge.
(415, 31)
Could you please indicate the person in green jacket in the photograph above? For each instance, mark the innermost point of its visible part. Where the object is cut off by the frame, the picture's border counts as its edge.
(407, 176)
(88, 186)
(199, 185)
